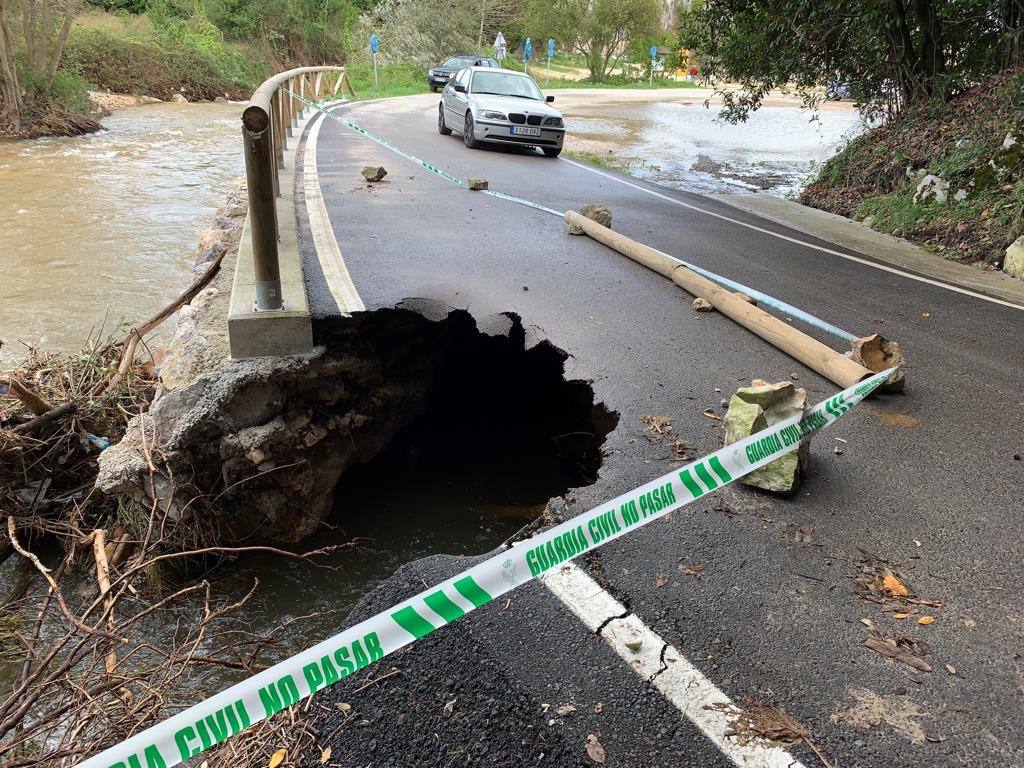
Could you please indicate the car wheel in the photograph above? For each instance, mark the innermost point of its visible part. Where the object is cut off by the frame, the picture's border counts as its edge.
(443, 129)
(467, 133)
(552, 151)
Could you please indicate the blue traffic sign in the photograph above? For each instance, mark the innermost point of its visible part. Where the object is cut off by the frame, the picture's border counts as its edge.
(654, 51)
(374, 43)
(551, 47)
(528, 49)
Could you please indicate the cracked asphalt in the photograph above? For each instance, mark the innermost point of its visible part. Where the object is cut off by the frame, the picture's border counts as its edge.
(758, 592)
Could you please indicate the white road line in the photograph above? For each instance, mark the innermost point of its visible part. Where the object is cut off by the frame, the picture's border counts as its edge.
(787, 238)
(679, 682)
(339, 282)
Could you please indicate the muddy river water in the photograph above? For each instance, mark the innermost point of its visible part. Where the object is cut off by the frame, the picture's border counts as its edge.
(101, 229)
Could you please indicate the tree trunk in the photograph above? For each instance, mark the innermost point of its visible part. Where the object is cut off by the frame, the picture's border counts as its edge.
(10, 91)
(932, 57)
(58, 48)
(1013, 20)
(39, 61)
(901, 46)
(483, 15)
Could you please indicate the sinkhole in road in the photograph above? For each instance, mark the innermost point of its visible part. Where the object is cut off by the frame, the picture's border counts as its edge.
(499, 433)
(443, 436)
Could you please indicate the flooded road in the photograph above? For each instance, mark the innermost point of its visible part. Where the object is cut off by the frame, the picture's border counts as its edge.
(104, 225)
(682, 144)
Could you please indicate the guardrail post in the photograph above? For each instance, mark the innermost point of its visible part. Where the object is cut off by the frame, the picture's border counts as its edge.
(258, 140)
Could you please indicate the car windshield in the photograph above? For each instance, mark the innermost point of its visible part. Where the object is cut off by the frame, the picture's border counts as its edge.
(506, 84)
(459, 62)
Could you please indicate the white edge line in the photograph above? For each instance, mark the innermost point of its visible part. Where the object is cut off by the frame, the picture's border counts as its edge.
(787, 238)
(339, 282)
(679, 682)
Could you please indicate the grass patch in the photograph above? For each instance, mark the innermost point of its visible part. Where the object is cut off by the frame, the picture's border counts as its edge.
(609, 163)
(394, 80)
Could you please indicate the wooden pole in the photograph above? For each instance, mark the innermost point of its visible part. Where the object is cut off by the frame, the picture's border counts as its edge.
(811, 352)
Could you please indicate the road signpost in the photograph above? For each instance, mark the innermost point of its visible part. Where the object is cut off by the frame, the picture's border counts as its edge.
(374, 47)
(527, 53)
(654, 56)
(551, 53)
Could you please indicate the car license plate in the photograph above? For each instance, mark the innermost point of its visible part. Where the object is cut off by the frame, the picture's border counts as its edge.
(520, 130)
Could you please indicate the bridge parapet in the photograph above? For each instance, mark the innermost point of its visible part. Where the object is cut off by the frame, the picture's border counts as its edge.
(269, 313)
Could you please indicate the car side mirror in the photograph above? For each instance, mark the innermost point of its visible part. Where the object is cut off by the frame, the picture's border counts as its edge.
(549, 99)
(460, 88)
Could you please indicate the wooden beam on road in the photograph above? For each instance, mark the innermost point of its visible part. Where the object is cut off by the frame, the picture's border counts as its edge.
(818, 357)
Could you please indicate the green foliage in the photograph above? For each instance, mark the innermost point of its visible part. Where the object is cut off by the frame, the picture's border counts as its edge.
(173, 59)
(892, 54)
(394, 80)
(877, 174)
(600, 30)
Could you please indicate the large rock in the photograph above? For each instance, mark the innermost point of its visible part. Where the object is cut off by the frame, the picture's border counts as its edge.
(1013, 264)
(476, 184)
(932, 187)
(758, 407)
(374, 173)
(598, 212)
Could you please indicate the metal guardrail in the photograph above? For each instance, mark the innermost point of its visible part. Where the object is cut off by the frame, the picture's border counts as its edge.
(267, 123)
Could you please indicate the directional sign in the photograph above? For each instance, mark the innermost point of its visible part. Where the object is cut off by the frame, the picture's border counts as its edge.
(374, 43)
(654, 51)
(527, 49)
(551, 47)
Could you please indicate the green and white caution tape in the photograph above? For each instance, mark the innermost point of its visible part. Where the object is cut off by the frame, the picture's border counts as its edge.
(214, 720)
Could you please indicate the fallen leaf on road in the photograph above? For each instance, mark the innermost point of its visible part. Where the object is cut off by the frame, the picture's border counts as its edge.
(344, 708)
(449, 708)
(868, 623)
(565, 710)
(712, 415)
(660, 580)
(757, 721)
(926, 620)
(895, 650)
(693, 569)
(598, 708)
(658, 426)
(926, 314)
(892, 585)
(680, 449)
(951, 669)
(277, 758)
(900, 615)
(594, 749)
(325, 755)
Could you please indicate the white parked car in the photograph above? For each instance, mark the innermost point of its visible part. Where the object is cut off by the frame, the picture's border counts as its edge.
(502, 106)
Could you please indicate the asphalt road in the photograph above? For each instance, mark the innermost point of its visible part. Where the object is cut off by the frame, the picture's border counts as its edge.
(927, 480)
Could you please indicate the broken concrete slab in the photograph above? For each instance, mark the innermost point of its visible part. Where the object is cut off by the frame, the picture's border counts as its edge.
(598, 212)
(373, 173)
(758, 407)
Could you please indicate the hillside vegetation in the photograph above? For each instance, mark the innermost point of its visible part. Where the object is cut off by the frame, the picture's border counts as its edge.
(969, 144)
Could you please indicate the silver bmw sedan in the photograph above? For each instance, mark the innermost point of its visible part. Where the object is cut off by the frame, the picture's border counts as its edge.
(502, 106)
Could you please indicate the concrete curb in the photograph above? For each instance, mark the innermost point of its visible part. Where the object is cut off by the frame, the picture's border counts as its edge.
(878, 246)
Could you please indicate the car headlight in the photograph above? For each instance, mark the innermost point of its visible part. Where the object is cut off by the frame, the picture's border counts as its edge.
(554, 122)
(488, 114)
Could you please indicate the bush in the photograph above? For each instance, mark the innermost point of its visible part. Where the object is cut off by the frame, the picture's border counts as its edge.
(171, 60)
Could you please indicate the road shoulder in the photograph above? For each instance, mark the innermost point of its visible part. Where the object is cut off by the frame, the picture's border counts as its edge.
(879, 246)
